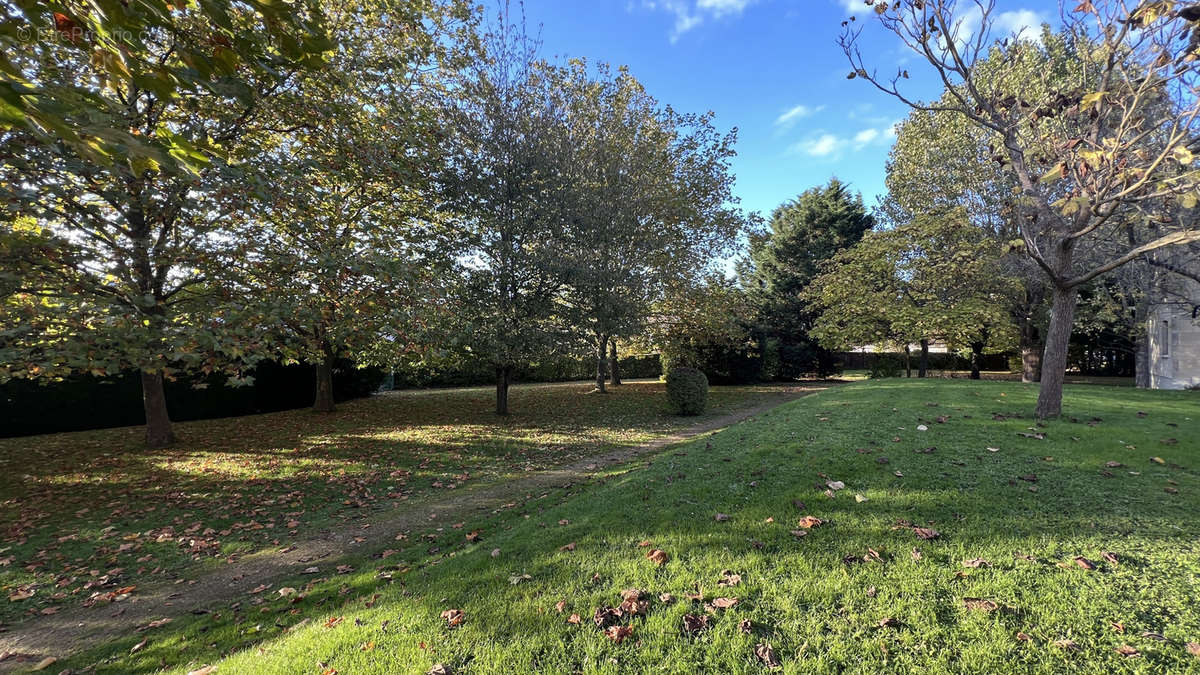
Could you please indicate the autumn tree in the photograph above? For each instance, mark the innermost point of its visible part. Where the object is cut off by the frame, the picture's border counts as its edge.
(650, 200)
(505, 185)
(801, 235)
(346, 251)
(1101, 127)
(933, 278)
(123, 132)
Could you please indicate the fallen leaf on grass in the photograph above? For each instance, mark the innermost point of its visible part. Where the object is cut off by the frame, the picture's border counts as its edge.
(746, 626)
(1084, 563)
(799, 533)
(1069, 645)
(1193, 648)
(1128, 651)
(567, 547)
(916, 555)
(645, 543)
(618, 633)
(693, 624)
(45, 663)
(21, 595)
(1036, 435)
(334, 620)
(835, 485)
(203, 670)
(926, 533)
(889, 622)
(495, 553)
(980, 604)
(767, 655)
(453, 617)
(260, 589)
(518, 578)
(474, 536)
(439, 669)
(560, 606)
(724, 603)
(1024, 637)
(721, 517)
(976, 563)
(809, 522)
(666, 598)
(574, 618)
(286, 592)
(1158, 460)
(658, 556)
(728, 578)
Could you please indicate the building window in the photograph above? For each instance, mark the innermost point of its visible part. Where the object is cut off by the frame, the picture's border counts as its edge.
(1164, 337)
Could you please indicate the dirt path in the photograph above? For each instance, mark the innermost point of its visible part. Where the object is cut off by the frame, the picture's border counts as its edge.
(61, 635)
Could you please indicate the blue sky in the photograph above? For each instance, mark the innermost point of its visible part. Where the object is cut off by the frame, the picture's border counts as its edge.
(772, 68)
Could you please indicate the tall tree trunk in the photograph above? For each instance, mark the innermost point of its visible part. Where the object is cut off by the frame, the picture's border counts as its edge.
(614, 363)
(1031, 352)
(324, 399)
(601, 362)
(503, 373)
(923, 367)
(159, 433)
(1141, 362)
(1054, 359)
(907, 360)
(976, 357)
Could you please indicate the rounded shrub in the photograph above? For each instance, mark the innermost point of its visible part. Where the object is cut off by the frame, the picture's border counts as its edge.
(687, 390)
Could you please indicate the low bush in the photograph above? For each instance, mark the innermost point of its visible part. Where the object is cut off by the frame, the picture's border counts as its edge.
(687, 390)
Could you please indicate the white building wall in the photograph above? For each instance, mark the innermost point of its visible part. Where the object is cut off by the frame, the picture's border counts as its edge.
(1174, 337)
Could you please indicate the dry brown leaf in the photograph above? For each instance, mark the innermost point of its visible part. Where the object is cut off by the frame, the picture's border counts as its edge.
(721, 517)
(1024, 637)
(203, 670)
(975, 563)
(1069, 645)
(693, 624)
(618, 633)
(767, 655)
(574, 618)
(809, 522)
(633, 607)
(666, 598)
(439, 669)
(658, 556)
(799, 533)
(724, 603)
(644, 543)
(560, 606)
(746, 626)
(729, 579)
(1084, 563)
(567, 547)
(1128, 651)
(1193, 648)
(980, 604)
(453, 617)
(889, 622)
(926, 533)
(45, 663)
(632, 594)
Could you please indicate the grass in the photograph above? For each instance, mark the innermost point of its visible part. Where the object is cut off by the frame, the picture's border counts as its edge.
(86, 514)
(998, 590)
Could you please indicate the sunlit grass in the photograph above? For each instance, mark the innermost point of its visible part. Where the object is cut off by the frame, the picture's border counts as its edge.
(823, 601)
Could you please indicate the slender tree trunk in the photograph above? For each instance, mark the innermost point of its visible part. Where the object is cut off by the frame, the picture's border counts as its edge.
(1054, 360)
(324, 399)
(503, 373)
(923, 367)
(1141, 362)
(976, 357)
(601, 362)
(907, 360)
(159, 433)
(614, 363)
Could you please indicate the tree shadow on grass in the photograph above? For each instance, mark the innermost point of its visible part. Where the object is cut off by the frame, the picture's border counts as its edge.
(822, 598)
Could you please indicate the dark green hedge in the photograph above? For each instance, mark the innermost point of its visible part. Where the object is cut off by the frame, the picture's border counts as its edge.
(687, 390)
(561, 369)
(84, 402)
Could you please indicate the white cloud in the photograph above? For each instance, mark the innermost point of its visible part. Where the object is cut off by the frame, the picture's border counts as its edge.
(866, 136)
(832, 146)
(692, 13)
(789, 118)
(853, 7)
(1023, 22)
(825, 145)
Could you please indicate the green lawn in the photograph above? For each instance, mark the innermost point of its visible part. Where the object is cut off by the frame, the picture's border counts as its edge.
(1051, 554)
(87, 514)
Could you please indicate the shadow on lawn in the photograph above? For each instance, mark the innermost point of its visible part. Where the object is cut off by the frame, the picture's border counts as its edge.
(982, 504)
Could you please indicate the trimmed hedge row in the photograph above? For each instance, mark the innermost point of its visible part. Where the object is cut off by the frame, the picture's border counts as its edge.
(84, 402)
